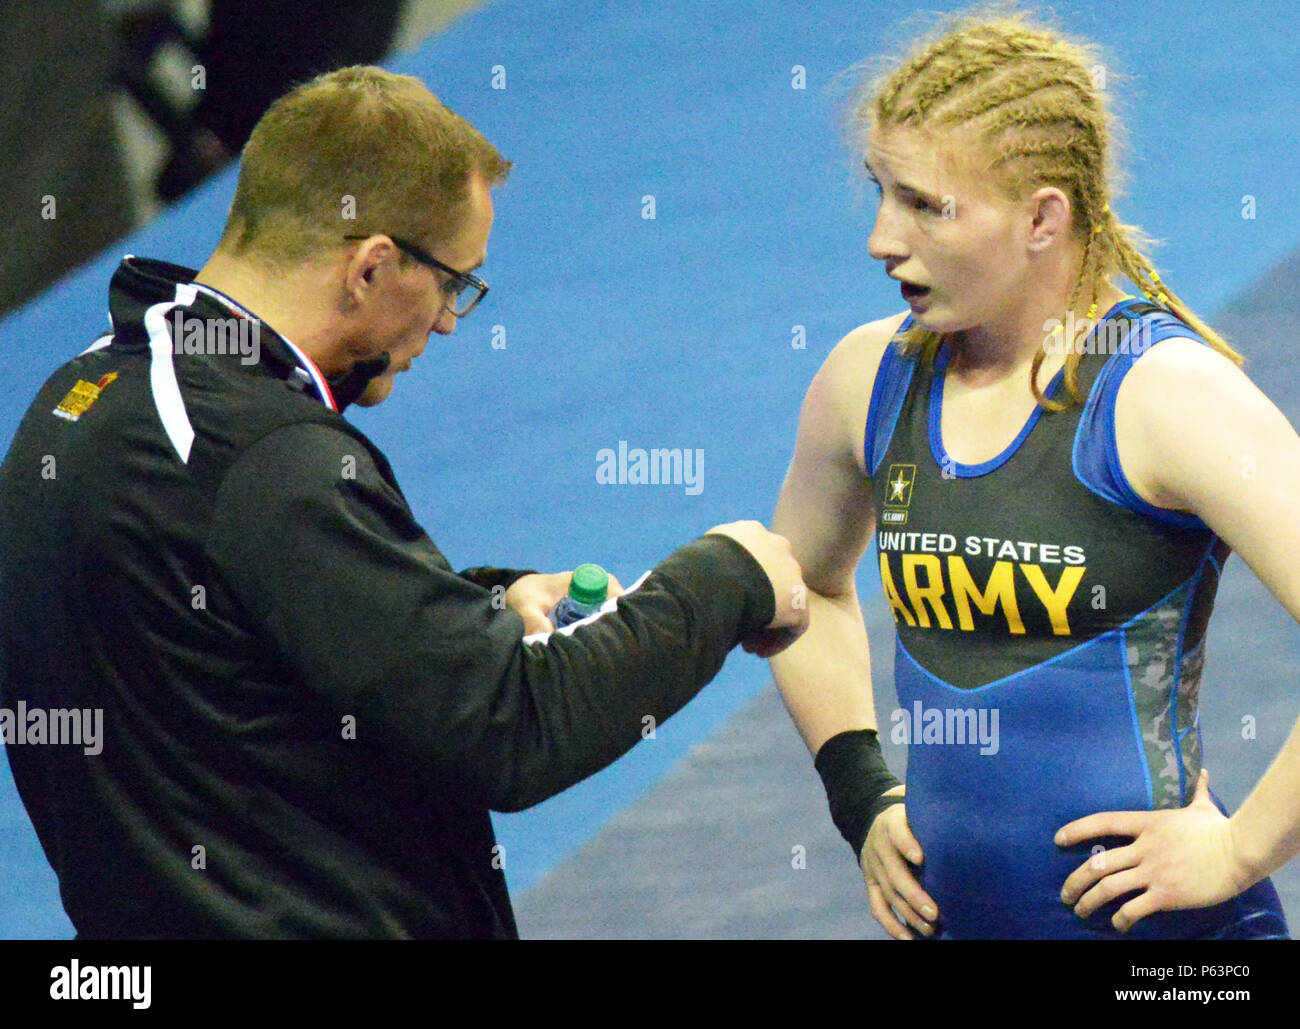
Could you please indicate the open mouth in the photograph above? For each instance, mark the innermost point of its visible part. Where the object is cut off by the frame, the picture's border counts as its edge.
(911, 292)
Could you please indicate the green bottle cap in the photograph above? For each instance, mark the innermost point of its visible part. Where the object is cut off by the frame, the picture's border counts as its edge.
(589, 585)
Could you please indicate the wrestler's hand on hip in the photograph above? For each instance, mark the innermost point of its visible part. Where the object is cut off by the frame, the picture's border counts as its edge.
(1180, 858)
(897, 900)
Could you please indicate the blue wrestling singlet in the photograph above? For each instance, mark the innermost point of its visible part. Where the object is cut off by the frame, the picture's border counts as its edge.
(1051, 630)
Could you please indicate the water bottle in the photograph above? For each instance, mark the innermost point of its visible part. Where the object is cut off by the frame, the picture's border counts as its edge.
(587, 591)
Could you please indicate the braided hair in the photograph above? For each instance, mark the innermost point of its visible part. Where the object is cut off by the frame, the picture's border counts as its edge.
(1036, 101)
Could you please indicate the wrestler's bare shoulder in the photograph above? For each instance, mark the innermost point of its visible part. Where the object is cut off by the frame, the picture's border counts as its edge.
(857, 356)
(842, 389)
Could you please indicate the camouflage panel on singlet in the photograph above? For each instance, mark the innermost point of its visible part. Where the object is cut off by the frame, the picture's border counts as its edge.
(1050, 643)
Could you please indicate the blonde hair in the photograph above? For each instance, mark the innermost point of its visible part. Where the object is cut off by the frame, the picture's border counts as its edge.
(356, 151)
(1036, 101)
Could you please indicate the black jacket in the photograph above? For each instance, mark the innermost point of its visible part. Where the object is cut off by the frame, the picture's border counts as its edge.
(307, 714)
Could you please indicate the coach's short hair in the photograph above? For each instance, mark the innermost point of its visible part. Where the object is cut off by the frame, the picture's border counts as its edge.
(356, 151)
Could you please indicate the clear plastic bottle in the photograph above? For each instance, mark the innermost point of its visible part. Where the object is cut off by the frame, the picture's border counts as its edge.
(587, 592)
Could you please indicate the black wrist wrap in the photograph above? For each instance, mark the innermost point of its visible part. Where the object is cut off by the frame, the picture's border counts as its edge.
(855, 775)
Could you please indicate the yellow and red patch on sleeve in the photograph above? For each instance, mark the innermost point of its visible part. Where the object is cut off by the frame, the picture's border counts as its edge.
(81, 397)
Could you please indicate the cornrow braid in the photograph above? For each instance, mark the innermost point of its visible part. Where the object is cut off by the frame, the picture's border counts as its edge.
(1133, 263)
(1035, 111)
(1030, 96)
(1018, 85)
(924, 97)
(1091, 262)
(1053, 154)
(912, 71)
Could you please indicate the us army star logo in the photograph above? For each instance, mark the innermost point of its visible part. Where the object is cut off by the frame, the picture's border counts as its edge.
(899, 491)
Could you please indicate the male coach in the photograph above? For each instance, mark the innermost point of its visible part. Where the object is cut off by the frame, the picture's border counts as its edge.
(307, 715)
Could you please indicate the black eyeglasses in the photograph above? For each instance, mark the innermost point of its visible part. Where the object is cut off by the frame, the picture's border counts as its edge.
(463, 291)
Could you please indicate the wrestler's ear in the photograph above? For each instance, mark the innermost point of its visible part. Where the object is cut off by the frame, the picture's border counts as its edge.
(1049, 216)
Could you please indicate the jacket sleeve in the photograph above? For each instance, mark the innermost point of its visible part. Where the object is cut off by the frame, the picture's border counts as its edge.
(489, 577)
(335, 575)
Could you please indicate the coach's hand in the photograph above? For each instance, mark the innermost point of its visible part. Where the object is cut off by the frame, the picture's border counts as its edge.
(531, 597)
(1180, 858)
(773, 553)
(896, 897)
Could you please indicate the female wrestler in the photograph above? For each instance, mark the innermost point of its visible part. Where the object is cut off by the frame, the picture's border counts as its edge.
(1052, 502)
